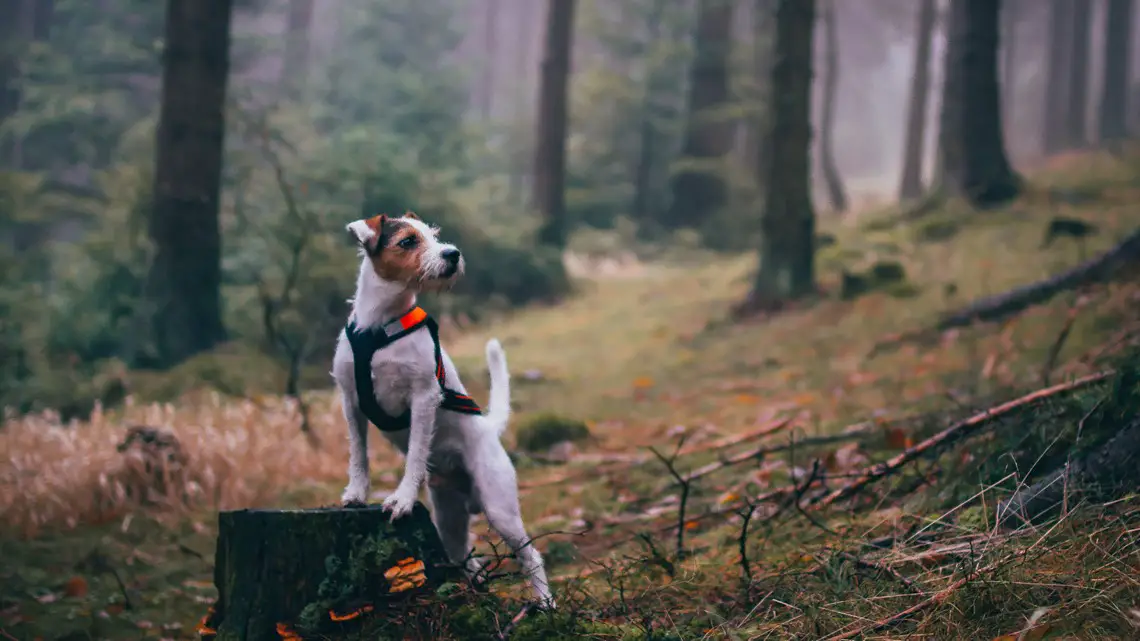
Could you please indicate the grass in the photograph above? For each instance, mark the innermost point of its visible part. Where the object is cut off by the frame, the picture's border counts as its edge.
(646, 357)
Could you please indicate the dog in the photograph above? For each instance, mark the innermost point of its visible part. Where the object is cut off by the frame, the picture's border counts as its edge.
(419, 403)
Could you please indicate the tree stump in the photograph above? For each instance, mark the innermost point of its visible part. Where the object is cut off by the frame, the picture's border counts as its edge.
(298, 574)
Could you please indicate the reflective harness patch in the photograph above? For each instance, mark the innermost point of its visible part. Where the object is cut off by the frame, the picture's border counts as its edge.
(366, 342)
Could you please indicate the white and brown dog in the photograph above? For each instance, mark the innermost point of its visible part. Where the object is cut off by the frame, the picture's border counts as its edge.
(416, 399)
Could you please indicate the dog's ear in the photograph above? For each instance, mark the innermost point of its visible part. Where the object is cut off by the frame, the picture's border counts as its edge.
(366, 231)
(411, 215)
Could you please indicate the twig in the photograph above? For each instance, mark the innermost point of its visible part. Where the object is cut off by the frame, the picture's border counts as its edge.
(514, 622)
(954, 432)
(935, 599)
(742, 540)
(765, 430)
(856, 432)
(1058, 344)
(686, 484)
(885, 569)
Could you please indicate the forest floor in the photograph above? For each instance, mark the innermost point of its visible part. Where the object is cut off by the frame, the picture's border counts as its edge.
(651, 358)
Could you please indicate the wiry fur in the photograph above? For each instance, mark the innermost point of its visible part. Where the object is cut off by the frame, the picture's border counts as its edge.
(469, 469)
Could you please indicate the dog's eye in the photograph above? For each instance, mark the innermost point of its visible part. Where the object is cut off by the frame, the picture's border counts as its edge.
(407, 243)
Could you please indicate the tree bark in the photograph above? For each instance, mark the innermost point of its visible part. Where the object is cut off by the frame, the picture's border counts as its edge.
(648, 135)
(975, 165)
(1076, 123)
(700, 190)
(185, 278)
(914, 148)
(835, 190)
(295, 65)
(298, 570)
(787, 244)
(1113, 120)
(11, 41)
(550, 154)
(1057, 79)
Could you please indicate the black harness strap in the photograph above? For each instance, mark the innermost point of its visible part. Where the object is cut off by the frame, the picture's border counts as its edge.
(366, 342)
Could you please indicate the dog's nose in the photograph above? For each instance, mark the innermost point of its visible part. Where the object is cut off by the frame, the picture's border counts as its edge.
(450, 255)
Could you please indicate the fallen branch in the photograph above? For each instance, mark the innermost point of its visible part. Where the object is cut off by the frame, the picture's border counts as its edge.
(956, 431)
(1013, 301)
(851, 433)
(767, 429)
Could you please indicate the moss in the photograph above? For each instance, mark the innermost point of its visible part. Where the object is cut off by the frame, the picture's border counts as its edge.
(545, 430)
(883, 275)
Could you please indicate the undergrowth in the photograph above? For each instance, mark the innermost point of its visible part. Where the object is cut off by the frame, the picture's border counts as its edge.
(765, 416)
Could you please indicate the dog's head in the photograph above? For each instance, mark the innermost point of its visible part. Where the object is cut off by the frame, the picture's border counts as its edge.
(407, 250)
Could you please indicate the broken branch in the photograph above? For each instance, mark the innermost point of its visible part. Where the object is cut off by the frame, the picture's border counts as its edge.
(956, 431)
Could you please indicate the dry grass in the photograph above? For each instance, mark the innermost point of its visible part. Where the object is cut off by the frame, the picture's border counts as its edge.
(241, 454)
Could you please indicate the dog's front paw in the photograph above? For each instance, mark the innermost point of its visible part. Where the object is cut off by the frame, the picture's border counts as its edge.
(354, 496)
(400, 503)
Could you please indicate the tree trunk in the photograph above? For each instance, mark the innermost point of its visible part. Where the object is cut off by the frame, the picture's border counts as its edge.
(647, 139)
(700, 189)
(295, 65)
(975, 163)
(321, 572)
(550, 154)
(11, 12)
(787, 243)
(914, 149)
(1057, 79)
(1113, 120)
(835, 191)
(1076, 123)
(487, 90)
(185, 278)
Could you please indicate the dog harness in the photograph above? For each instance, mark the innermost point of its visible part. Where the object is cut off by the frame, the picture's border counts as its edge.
(366, 342)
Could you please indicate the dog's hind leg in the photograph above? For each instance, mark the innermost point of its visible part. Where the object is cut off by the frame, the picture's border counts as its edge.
(498, 493)
(453, 522)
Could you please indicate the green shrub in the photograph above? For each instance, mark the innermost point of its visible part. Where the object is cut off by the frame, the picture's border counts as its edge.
(546, 430)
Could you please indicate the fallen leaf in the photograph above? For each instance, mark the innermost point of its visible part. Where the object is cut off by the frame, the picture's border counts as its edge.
(748, 399)
(728, 497)
(76, 586)
(643, 382)
(898, 439)
(50, 597)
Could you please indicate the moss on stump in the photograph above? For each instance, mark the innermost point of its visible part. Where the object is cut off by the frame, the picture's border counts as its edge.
(318, 573)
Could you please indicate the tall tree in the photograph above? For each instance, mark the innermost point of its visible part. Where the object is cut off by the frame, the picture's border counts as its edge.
(11, 12)
(913, 148)
(835, 191)
(550, 151)
(1076, 121)
(699, 188)
(1113, 118)
(648, 134)
(975, 165)
(787, 222)
(1057, 75)
(185, 279)
(295, 65)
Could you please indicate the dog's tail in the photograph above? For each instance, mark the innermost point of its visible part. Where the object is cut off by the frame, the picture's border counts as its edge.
(499, 400)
